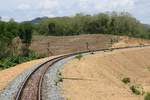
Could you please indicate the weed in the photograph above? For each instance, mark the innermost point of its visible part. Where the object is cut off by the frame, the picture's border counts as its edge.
(59, 73)
(147, 96)
(79, 56)
(56, 82)
(148, 68)
(68, 99)
(60, 79)
(135, 89)
(92, 52)
(17, 59)
(126, 80)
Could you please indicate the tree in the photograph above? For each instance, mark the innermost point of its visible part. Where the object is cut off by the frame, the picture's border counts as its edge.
(6, 37)
(103, 23)
(51, 28)
(25, 34)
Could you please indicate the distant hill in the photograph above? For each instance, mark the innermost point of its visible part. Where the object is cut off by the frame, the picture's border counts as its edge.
(147, 26)
(38, 19)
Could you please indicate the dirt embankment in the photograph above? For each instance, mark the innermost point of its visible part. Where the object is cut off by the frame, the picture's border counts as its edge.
(55, 45)
(98, 76)
(127, 41)
(52, 45)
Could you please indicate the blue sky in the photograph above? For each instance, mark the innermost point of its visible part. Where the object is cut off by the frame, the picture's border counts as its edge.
(22, 10)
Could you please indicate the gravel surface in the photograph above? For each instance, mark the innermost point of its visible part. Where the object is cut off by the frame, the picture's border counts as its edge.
(51, 84)
(51, 88)
(10, 91)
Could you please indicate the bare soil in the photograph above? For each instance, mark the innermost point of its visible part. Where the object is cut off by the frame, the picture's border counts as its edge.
(98, 76)
(52, 45)
(56, 45)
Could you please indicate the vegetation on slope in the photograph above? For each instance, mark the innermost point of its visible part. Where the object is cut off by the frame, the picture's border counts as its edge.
(104, 23)
(17, 59)
(8, 31)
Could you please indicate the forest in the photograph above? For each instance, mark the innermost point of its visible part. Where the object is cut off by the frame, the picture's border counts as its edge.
(103, 23)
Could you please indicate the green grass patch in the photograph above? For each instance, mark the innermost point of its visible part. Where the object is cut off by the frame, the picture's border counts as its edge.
(14, 60)
(147, 96)
(68, 98)
(148, 68)
(79, 56)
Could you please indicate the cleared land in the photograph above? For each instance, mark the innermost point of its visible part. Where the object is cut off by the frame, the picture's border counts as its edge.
(56, 45)
(52, 45)
(99, 76)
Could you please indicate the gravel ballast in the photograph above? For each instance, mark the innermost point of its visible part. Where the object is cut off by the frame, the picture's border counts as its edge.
(51, 83)
(51, 87)
(13, 87)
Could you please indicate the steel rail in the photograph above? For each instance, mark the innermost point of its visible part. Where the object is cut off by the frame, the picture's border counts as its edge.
(55, 60)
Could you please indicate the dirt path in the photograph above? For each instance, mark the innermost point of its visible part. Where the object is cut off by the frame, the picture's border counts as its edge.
(98, 76)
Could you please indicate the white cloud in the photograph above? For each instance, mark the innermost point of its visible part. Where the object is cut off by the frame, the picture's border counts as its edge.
(23, 7)
(48, 4)
(27, 9)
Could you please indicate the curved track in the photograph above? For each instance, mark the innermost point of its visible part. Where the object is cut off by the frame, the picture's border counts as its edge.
(31, 87)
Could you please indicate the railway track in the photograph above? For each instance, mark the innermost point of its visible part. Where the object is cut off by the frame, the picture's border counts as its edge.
(31, 87)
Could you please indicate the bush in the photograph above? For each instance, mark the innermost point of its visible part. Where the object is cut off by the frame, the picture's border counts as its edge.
(147, 96)
(14, 60)
(79, 56)
(68, 98)
(126, 80)
(135, 90)
(148, 68)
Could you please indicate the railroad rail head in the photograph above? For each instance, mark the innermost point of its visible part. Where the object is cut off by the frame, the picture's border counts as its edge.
(30, 91)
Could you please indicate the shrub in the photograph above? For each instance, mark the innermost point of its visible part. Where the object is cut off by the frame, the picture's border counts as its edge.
(14, 60)
(126, 80)
(147, 96)
(148, 68)
(79, 56)
(135, 90)
(92, 53)
(59, 78)
(68, 98)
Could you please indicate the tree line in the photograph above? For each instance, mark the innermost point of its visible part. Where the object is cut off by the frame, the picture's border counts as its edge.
(102, 23)
(10, 30)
